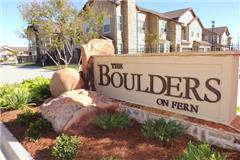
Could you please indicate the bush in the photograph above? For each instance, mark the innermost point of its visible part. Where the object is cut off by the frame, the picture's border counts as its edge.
(27, 117)
(20, 95)
(161, 130)
(200, 152)
(118, 120)
(38, 88)
(65, 148)
(110, 158)
(37, 129)
(4, 91)
(16, 97)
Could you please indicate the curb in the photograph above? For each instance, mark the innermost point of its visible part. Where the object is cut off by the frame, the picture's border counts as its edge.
(11, 147)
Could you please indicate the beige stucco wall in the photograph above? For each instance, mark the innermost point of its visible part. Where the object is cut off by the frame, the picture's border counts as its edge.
(186, 18)
(193, 27)
(224, 39)
(141, 36)
(214, 77)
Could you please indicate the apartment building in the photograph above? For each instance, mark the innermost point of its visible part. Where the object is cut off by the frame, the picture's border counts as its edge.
(134, 29)
(218, 37)
(188, 35)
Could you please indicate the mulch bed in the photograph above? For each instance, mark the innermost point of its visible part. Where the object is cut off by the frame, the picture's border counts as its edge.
(127, 144)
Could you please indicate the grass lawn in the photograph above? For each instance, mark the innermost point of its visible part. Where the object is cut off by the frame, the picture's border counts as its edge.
(238, 109)
(27, 64)
(54, 67)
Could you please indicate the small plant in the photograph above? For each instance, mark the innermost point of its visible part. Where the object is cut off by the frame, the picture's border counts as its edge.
(65, 148)
(162, 130)
(17, 98)
(110, 158)
(37, 129)
(27, 117)
(4, 91)
(118, 120)
(200, 152)
(38, 88)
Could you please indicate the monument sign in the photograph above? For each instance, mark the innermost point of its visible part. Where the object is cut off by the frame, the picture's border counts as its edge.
(201, 86)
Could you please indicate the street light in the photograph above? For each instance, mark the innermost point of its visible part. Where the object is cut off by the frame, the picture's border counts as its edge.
(213, 23)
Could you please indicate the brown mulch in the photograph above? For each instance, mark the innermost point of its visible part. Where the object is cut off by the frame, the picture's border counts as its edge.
(127, 144)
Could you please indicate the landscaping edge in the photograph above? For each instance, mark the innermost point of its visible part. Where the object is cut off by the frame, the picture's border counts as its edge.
(11, 147)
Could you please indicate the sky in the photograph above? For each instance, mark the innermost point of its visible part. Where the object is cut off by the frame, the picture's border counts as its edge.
(223, 12)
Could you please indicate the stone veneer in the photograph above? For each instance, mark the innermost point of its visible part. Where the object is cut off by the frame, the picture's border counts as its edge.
(129, 33)
(213, 136)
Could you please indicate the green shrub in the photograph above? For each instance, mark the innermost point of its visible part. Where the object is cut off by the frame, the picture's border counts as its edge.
(65, 148)
(162, 130)
(38, 88)
(118, 120)
(200, 152)
(110, 158)
(37, 129)
(4, 91)
(18, 97)
(27, 117)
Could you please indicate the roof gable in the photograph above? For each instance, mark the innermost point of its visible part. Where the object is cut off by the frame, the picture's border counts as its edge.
(176, 14)
(198, 19)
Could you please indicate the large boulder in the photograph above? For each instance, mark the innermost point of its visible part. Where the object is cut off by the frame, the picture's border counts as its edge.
(94, 47)
(77, 107)
(64, 80)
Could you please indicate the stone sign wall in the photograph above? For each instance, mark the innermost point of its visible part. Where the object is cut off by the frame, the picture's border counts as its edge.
(202, 86)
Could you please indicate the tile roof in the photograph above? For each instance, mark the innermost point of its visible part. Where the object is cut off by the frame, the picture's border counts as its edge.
(220, 30)
(203, 43)
(155, 13)
(176, 13)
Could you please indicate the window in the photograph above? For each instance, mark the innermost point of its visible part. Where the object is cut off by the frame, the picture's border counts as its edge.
(161, 47)
(162, 25)
(167, 48)
(192, 32)
(106, 25)
(141, 26)
(198, 32)
(119, 23)
(141, 48)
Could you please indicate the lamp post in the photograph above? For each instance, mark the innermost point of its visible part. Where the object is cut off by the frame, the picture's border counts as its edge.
(213, 23)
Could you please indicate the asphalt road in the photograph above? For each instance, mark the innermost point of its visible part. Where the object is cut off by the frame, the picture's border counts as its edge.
(15, 74)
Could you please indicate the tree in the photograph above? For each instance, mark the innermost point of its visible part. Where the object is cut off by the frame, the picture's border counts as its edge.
(153, 41)
(59, 27)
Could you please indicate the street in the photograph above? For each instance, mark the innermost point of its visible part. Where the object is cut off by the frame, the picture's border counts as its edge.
(15, 74)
